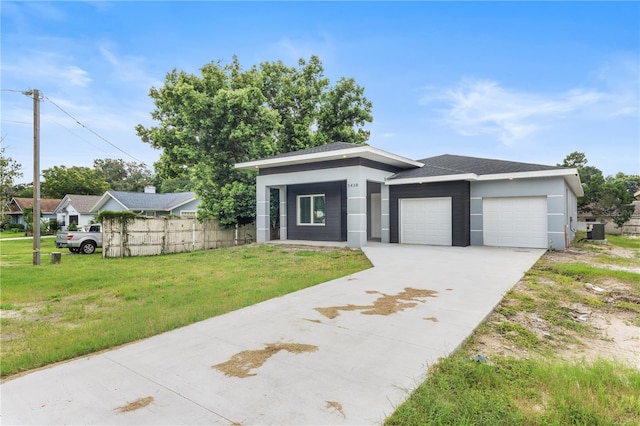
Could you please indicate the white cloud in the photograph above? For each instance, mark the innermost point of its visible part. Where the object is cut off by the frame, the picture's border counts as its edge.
(47, 67)
(128, 69)
(294, 49)
(476, 106)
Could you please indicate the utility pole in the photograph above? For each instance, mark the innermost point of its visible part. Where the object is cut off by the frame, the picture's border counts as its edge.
(36, 175)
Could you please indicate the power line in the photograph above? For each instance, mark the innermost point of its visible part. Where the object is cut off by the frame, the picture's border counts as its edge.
(15, 121)
(77, 121)
(77, 135)
(92, 131)
(14, 90)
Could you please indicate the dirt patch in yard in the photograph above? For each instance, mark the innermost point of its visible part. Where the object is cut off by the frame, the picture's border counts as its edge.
(386, 304)
(576, 318)
(241, 364)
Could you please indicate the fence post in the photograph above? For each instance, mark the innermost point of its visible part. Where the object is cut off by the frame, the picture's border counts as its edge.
(193, 234)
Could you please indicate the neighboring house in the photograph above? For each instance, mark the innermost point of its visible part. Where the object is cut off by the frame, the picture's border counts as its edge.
(148, 203)
(357, 193)
(17, 206)
(76, 209)
(631, 227)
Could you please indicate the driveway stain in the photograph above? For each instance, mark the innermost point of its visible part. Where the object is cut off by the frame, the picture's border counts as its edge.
(241, 364)
(336, 406)
(434, 319)
(386, 304)
(135, 405)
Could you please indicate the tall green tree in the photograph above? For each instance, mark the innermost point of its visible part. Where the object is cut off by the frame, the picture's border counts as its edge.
(122, 175)
(178, 184)
(10, 170)
(615, 203)
(631, 182)
(60, 181)
(226, 115)
(609, 197)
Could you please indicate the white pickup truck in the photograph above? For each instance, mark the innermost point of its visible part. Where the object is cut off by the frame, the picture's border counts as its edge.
(84, 241)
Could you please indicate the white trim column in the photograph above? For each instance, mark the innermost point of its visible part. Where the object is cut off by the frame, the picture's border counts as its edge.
(263, 233)
(385, 220)
(283, 211)
(356, 211)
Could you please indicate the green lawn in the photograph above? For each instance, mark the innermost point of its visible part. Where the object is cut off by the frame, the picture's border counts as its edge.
(87, 303)
(532, 392)
(11, 233)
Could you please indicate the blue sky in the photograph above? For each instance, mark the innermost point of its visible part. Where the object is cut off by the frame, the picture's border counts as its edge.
(518, 81)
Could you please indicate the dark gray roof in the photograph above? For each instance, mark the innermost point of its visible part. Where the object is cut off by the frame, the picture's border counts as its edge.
(447, 165)
(157, 202)
(335, 146)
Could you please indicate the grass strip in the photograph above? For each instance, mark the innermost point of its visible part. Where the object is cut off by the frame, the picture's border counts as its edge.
(513, 391)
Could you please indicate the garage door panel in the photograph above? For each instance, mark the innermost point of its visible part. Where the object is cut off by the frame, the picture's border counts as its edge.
(515, 222)
(425, 221)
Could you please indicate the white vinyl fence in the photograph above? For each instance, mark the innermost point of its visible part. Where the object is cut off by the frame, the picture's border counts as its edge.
(154, 236)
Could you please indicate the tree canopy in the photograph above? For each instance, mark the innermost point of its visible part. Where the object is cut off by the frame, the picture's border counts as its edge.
(609, 197)
(60, 181)
(227, 114)
(123, 176)
(9, 171)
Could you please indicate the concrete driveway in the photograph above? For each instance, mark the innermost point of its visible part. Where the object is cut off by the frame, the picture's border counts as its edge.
(344, 352)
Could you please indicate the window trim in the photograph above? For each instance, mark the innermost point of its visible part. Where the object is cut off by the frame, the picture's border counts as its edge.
(188, 214)
(299, 211)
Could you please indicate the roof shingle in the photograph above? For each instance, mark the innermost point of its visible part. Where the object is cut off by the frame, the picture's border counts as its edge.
(448, 165)
(145, 201)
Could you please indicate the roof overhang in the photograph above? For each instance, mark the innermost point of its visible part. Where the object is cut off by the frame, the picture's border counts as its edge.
(103, 200)
(570, 176)
(364, 151)
(432, 179)
(182, 203)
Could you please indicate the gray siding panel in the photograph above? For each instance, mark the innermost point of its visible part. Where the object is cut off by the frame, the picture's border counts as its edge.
(335, 228)
(460, 206)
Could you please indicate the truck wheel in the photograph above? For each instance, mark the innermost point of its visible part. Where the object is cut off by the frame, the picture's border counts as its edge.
(88, 247)
(74, 249)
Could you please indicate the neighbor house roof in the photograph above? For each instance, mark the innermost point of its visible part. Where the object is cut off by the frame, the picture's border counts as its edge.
(457, 167)
(328, 152)
(138, 201)
(82, 203)
(47, 205)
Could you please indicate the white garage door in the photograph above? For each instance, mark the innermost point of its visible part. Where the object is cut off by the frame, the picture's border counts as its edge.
(425, 221)
(515, 222)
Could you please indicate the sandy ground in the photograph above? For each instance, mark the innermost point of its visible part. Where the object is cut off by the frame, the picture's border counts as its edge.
(616, 334)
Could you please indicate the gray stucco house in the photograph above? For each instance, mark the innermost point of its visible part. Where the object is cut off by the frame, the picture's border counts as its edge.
(358, 193)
